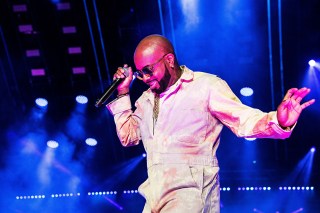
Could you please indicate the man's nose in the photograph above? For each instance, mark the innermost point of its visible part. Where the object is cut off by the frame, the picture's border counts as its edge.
(146, 76)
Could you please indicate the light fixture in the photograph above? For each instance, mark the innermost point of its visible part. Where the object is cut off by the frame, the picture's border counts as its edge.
(41, 102)
(246, 91)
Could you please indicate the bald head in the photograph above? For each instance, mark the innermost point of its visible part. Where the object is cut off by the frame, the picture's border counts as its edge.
(156, 54)
(152, 47)
(155, 43)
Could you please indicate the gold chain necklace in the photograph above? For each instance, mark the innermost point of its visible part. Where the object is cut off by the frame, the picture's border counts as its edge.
(156, 107)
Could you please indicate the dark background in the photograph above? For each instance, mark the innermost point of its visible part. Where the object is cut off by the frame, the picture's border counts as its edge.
(265, 45)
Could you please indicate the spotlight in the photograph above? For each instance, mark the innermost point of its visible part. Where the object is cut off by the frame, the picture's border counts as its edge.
(38, 72)
(312, 149)
(91, 142)
(41, 102)
(246, 91)
(78, 70)
(52, 144)
(312, 63)
(250, 139)
(81, 99)
(19, 8)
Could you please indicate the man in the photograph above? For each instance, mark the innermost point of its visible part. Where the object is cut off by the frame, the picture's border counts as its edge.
(180, 118)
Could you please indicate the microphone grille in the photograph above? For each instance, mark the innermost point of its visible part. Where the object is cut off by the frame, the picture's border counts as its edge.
(126, 71)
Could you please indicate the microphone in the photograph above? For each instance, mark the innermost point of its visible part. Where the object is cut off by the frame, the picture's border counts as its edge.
(108, 92)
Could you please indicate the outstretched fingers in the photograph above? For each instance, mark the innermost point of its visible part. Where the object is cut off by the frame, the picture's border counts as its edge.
(308, 103)
(296, 94)
(300, 94)
(289, 93)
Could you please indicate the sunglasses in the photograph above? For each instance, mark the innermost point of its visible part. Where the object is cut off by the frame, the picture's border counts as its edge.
(147, 70)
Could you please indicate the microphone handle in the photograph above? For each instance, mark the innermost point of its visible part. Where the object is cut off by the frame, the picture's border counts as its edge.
(109, 92)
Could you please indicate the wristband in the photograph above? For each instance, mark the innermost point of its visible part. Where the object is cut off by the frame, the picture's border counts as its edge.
(122, 95)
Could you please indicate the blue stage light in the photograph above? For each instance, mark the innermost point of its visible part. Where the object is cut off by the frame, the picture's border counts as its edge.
(91, 142)
(52, 144)
(312, 63)
(246, 91)
(41, 102)
(81, 99)
(250, 139)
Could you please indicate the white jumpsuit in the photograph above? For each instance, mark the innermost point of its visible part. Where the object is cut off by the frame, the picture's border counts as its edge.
(181, 146)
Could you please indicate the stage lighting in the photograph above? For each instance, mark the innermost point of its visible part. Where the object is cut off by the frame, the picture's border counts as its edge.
(130, 191)
(31, 197)
(63, 6)
(250, 139)
(26, 29)
(74, 50)
(33, 53)
(41, 102)
(91, 142)
(246, 91)
(312, 149)
(38, 72)
(78, 70)
(190, 9)
(18, 8)
(81, 99)
(52, 144)
(312, 63)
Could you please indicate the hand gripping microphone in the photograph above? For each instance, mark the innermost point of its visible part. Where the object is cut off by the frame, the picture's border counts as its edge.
(111, 89)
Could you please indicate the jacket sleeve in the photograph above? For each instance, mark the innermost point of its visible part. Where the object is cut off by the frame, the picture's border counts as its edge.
(243, 120)
(127, 122)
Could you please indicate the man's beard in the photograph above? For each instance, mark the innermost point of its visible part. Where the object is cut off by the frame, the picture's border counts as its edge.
(163, 83)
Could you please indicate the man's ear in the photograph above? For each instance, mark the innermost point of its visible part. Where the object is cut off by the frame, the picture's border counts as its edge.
(170, 59)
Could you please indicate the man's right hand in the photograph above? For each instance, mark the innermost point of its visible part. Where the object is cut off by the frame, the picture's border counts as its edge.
(124, 86)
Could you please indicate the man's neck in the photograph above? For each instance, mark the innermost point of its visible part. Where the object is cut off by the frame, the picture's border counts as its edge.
(176, 77)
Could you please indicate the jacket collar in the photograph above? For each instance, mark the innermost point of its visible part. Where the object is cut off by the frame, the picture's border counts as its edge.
(187, 76)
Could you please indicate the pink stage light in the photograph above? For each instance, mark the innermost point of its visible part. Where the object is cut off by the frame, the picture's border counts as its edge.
(25, 28)
(78, 70)
(19, 8)
(33, 53)
(69, 29)
(38, 72)
(74, 50)
(63, 6)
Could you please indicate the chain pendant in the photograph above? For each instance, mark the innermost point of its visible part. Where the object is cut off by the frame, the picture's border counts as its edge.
(156, 107)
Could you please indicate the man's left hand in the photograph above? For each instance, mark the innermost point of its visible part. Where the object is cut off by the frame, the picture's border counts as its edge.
(290, 108)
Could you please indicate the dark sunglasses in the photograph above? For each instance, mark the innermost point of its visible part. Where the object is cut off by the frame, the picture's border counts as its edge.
(148, 70)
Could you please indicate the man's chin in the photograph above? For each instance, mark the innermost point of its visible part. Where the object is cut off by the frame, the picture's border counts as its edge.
(156, 90)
